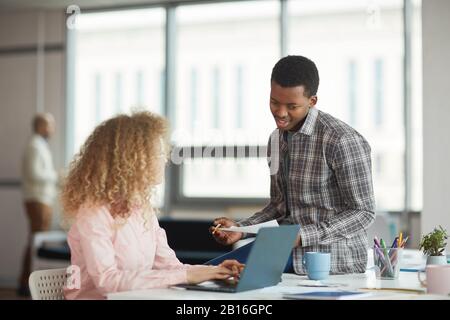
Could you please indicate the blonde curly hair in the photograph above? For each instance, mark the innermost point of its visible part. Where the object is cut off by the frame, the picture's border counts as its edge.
(118, 166)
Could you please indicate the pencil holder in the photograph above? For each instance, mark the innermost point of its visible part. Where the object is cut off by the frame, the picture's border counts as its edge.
(387, 262)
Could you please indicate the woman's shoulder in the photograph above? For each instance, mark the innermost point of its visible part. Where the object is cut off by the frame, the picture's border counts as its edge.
(146, 216)
(89, 216)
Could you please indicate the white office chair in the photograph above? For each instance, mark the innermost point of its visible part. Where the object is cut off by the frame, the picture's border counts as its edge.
(48, 284)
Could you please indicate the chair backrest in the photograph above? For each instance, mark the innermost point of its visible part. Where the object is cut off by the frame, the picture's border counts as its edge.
(48, 284)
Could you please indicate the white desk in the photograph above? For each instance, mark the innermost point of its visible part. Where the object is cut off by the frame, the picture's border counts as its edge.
(292, 283)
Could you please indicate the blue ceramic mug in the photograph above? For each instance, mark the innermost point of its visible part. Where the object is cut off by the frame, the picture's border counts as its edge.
(317, 265)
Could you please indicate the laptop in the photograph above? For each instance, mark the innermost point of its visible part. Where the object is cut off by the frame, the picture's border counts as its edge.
(265, 263)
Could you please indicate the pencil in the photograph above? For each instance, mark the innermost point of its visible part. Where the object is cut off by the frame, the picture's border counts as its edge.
(404, 242)
(215, 229)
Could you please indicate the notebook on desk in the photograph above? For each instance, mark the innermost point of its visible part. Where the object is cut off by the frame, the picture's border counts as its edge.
(328, 295)
(265, 263)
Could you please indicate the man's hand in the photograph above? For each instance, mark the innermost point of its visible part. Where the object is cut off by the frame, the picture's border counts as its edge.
(225, 237)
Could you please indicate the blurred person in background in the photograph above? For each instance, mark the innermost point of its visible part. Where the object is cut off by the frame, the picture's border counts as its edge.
(39, 180)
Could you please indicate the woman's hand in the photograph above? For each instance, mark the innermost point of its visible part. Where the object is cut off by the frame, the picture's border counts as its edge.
(225, 270)
(199, 273)
(225, 237)
(235, 266)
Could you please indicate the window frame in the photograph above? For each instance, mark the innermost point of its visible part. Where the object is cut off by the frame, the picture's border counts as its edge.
(173, 197)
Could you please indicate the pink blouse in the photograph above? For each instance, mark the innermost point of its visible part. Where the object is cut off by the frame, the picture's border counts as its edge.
(114, 257)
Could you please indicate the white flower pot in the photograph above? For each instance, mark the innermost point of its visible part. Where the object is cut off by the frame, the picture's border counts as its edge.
(436, 260)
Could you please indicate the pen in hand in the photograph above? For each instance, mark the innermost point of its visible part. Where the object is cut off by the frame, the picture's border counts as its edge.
(215, 229)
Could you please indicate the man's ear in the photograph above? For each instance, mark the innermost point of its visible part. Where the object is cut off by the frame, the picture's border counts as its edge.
(312, 101)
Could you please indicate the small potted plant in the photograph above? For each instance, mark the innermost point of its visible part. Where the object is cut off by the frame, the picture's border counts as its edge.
(433, 245)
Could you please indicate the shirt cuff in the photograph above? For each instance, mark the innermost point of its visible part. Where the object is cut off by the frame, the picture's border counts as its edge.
(179, 276)
(309, 235)
(244, 223)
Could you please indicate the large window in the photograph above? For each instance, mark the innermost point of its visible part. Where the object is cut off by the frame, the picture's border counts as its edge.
(215, 63)
(358, 49)
(119, 64)
(223, 62)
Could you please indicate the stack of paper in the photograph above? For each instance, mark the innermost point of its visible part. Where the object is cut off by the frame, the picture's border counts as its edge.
(253, 228)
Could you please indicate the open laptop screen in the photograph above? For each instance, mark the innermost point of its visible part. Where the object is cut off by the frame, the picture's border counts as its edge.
(265, 264)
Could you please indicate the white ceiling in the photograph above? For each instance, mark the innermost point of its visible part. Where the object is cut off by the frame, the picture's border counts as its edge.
(61, 4)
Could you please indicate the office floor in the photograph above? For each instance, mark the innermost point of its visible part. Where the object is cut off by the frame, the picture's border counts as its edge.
(10, 294)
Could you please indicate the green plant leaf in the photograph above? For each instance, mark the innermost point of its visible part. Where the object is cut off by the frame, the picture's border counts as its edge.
(433, 243)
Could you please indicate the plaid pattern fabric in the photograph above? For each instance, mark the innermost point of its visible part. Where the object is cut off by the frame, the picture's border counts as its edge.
(329, 191)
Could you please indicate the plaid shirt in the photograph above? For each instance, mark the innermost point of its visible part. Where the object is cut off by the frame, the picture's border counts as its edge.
(328, 190)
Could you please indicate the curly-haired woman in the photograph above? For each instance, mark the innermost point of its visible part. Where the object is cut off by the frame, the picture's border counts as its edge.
(115, 238)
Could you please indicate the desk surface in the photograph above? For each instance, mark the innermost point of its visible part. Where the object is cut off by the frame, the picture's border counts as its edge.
(406, 287)
(295, 284)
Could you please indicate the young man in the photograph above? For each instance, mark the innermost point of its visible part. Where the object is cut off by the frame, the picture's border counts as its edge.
(322, 178)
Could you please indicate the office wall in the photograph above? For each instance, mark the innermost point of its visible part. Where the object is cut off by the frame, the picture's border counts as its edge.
(21, 95)
(436, 115)
(30, 81)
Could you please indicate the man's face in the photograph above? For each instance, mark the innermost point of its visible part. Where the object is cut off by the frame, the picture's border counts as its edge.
(47, 127)
(289, 106)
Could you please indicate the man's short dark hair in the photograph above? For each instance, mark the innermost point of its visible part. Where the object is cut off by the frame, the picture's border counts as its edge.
(294, 71)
